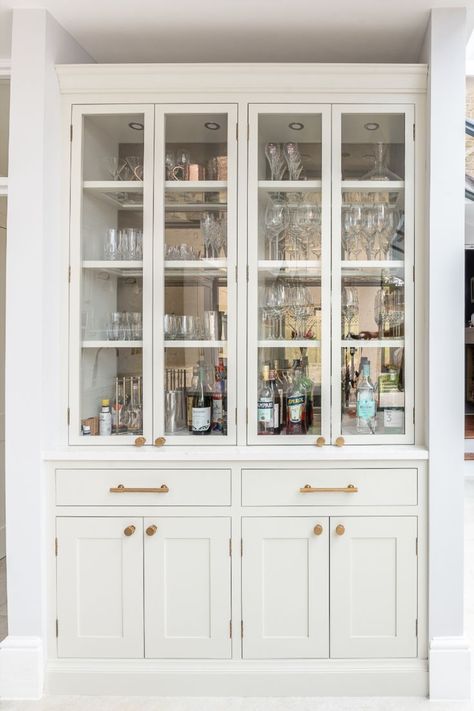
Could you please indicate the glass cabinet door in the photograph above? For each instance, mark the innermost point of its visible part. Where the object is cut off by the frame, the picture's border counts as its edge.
(195, 267)
(110, 275)
(289, 274)
(373, 304)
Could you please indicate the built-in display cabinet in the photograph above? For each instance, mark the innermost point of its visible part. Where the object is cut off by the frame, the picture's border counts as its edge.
(242, 309)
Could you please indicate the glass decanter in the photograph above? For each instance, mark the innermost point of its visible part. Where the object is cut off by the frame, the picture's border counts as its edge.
(381, 171)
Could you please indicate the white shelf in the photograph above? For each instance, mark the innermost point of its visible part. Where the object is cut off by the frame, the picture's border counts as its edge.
(112, 344)
(195, 186)
(114, 186)
(169, 343)
(368, 186)
(197, 264)
(372, 264)
(292, 343)
(290, 265)
(289, 186)
(116, 267)
(360, 343)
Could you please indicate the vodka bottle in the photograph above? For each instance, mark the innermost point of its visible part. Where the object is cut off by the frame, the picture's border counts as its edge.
(365, 407)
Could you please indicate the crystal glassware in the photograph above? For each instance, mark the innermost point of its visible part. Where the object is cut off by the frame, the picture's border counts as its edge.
(135, 167)
(115, 167)
(112, 244)
(293, 160)
(349, 306)
(277, 218)
(276, 160)
(381, 171)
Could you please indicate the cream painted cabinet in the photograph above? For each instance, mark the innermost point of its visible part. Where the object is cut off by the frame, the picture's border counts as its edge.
(100, 587)
(373, 586)
(285, 587)
(187, 587)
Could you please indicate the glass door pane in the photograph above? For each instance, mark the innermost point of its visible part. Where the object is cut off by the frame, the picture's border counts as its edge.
(288, 274)
(373, 277)
(110, 286)
(197, 219)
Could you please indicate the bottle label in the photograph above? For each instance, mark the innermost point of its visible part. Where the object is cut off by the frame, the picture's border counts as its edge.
(393, 418)
(365, 409)
(201, 419)
(265, 410)
(105, 424)
(296, 408)
(217, 412)
(276, 415)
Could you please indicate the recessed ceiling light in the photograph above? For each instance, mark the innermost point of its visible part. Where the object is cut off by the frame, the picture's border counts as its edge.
(212, 125)
(136, 126)
(296, 126)
(371, 126)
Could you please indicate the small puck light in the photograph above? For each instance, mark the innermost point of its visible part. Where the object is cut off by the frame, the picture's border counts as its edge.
(296, 126)
(136, 126)
(371, 126)
(212, 125)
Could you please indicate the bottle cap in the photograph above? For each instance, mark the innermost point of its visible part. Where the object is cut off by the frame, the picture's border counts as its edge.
(105, 403)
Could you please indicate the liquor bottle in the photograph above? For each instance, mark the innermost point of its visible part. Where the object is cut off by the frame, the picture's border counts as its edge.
(277, 403)
(365, 408)
(105, 419)
(223, 377)
(202, 405)
(217, 401)
(296, 399)
(190, 393)
(309, 392)
(265, 406)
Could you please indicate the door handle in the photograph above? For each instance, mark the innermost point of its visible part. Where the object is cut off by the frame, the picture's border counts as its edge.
(349, 489)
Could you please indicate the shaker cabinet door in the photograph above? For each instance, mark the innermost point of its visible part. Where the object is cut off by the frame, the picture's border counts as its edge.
(373, 587)
(285, 587)
(187, 588)
(100, 587)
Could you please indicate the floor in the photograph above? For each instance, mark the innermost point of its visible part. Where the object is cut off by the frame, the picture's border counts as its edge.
(111, 703)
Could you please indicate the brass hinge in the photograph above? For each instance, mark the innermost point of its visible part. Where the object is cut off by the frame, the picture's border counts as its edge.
(56, 546)
(69, 415)
(69, 274)
(416, 546)
(230, 546)
(70, 133)
(416, 628)
(242, 629)
(230, 629)
(236, 131)
(57, 628)
(414, 131)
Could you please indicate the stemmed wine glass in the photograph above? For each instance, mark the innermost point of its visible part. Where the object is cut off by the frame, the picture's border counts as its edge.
(370, 231)
(308, 217)
(277, 218)
(276, 160)
(293, 160)
(349, 306)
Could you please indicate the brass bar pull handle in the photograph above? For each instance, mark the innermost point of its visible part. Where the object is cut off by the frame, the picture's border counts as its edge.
(121, 489)
(349, 489)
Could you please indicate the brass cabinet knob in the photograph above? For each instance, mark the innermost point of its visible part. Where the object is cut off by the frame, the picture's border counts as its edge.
(140, 441)
(340, 530)
(160, 441)
(130, 530)
(318, 529)
(339, 442)
(151, 530)
(320, 442)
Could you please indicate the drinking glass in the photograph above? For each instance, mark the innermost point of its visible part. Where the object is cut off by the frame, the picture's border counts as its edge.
(189, 327)
(369, 231)
(293, 160)
(349, 306)
(276, 160)
(277, 218)
(136, 326)
(170, 325)
(308, 217)
(357, 223)
(135, 166)
(133, 240)
(124, 251)
(112, 244)
(181, 169)
(170, 162)
(115, 167)
(114, 326)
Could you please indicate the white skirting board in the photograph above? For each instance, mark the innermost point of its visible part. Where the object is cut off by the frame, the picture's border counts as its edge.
(21, 668)
(450, 669)
(238, 678)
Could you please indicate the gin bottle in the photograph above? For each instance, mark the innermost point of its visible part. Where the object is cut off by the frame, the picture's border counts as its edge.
(365, 407)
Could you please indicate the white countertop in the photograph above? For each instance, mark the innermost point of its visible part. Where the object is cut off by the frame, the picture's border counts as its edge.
(237, 454)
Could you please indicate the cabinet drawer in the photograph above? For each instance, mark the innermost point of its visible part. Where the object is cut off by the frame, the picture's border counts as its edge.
(282, 487)
(173, 487)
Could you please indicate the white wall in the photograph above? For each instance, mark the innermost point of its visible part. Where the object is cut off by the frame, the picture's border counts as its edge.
(33, 315)
(449, 655)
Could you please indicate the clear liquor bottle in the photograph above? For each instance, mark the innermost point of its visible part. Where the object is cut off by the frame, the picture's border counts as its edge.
(277, 403)
(365, 408)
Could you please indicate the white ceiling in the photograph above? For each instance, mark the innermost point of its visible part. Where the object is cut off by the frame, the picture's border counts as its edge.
(244, 30)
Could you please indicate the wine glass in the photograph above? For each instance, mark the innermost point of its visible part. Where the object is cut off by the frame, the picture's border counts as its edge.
(135, 166)
(293, 160)
(349, 306)
(277, 218)
(274, 156)
(308, 217)
(369, 231)
(115, 167)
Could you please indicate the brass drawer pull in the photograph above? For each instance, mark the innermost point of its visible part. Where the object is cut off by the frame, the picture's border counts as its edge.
(160, 441)
(140, 441)
(130, 530)
(349, 489)
(318, 529)
(340, 530)
(121, 489)
(151, 530)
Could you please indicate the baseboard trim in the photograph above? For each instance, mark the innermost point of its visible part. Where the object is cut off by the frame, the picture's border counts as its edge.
(238, 677)
(21, 668)
(450, 669)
